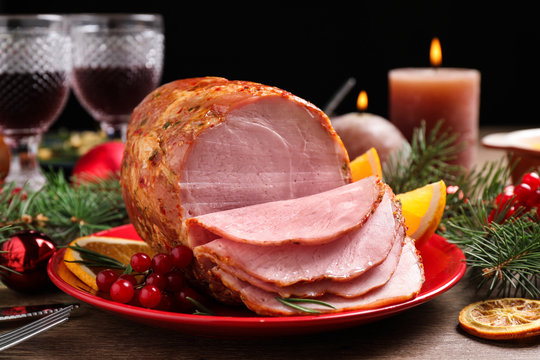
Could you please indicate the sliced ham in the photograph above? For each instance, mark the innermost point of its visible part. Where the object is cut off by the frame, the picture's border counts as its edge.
(312, 220)
(204, 145)
(342, 259)
(405, 283)
(375, 277)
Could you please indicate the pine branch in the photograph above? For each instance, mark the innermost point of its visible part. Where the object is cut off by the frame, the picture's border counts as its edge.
(62, 210)
(427, 160)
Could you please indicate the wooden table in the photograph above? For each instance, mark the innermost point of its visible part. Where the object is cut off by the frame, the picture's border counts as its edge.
(428, 331)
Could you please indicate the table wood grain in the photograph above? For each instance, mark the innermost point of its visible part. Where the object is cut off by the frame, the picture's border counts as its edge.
(428, 331)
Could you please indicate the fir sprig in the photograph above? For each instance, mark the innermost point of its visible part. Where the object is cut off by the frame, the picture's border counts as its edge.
(428, 159)
(62, 209)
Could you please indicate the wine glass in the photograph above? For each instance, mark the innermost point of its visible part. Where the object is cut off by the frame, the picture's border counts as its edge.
(117, 60)
(34, 87)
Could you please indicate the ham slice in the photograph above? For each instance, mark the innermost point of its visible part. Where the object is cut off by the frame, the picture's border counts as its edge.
(375, 277)
(405, 284)
(346, 257)
(314, 219)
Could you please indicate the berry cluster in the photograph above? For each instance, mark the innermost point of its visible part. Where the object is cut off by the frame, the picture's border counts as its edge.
(152, 282)
(515, 200)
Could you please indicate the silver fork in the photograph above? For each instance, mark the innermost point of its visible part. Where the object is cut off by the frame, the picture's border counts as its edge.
(25, 332)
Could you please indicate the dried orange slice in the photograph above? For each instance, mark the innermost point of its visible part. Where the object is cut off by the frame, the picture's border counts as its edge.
(117, 248)
(502, 319)
(423, 209)
(365, 165)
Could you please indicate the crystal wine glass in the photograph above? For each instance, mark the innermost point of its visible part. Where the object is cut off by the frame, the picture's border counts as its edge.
(117, 60)
(34, 87)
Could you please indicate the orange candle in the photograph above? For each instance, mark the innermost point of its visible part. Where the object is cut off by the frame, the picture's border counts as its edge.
(433, 94)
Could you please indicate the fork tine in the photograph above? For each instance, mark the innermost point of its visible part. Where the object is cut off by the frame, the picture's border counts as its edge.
(27, 331)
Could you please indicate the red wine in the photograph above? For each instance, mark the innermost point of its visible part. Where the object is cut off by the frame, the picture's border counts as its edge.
(30, 102)
(110, 91)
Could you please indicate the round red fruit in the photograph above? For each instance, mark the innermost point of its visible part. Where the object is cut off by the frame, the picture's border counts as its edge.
(175, 281)
(105, 278)
(140, 262)
(182, 256)
(181, 299)
(122, 291)
(523, 192)
(150, 296)
(162, 263)
(532, 179)
(130, 278)
(158, 280)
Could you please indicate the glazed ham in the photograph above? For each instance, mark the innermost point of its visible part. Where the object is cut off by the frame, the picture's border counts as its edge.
(256, 181)
(203, 145)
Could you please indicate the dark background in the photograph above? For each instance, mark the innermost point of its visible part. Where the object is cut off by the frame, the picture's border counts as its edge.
(311, 50)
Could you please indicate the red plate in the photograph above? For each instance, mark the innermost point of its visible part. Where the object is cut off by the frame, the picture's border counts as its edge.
(443, 264)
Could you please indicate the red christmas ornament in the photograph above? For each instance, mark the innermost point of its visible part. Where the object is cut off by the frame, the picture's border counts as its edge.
(100, 162)
(27, 253)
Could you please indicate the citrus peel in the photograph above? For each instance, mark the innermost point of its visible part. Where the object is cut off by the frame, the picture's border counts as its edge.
(365, 165)
(117, 248)
(502, 319)
(423, 209)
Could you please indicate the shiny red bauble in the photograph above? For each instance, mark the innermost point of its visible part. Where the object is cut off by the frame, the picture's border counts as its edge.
(102, 161)
(27, 253)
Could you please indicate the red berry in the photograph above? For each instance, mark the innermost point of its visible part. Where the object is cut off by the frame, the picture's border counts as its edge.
(532, 179)
(505, 196)
(183, 303)
(150, 296)
(175, 281)
(159, 280)
(534, 200)
(166, 303)
(523, 192)
(140, 262)
(162, 263)
(105, 278)
(122, 291)
(182, 256)
(129, 278)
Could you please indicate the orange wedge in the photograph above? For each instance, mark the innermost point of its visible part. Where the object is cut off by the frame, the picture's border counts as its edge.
(502, 319)
(117, 248)
(423, 209)
(365, 165)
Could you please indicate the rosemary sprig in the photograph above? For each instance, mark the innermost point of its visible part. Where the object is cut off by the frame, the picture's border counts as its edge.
(293, 303)
(200, 308)
(92, 258)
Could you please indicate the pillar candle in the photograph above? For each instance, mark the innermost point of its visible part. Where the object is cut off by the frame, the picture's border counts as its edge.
(437, 93)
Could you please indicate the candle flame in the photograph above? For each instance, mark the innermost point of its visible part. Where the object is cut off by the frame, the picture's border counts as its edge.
(362, 101)
(435, 52)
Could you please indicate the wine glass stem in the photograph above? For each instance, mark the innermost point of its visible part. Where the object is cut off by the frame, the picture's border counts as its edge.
(24, 165)
(114, 132)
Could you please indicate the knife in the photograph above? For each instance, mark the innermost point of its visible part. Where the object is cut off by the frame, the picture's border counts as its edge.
(30, 311)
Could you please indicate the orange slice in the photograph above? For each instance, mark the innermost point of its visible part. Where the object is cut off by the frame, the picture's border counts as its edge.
(365, 165)
(423, 209)
(117, 248)
(502, 319)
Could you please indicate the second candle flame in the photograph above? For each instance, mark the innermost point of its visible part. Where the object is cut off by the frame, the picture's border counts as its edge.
(362, 101)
